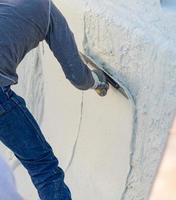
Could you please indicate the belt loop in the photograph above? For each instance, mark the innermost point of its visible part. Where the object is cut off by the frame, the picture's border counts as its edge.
(6, 90)
(2, 110)
(1, 88)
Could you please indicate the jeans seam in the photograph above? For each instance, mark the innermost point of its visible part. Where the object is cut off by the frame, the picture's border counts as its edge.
(5, 106)
(7, 93)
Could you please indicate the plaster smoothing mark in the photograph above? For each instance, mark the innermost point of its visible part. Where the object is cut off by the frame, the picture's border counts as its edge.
(77, 137)
(140, 87)
(113, 73)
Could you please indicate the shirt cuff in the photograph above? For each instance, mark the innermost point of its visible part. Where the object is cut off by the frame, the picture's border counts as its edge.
(96, 80)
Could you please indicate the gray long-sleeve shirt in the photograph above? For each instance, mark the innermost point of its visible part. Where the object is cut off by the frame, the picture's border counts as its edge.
(23, 24)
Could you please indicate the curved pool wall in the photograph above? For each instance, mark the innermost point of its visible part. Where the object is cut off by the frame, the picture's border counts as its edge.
(137, 39)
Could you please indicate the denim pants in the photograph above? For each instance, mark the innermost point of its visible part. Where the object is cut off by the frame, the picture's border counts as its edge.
(20, 132)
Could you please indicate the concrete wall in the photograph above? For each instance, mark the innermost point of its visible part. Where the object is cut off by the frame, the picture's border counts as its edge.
(118, 148)
(137, 39)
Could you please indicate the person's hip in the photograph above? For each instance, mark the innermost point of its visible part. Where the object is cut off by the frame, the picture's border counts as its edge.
(8, 99)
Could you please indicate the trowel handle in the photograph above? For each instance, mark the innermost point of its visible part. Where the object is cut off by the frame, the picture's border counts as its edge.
(109, 79)
(102, 91)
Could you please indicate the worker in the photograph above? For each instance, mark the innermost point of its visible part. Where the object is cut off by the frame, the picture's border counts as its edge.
(23, 24)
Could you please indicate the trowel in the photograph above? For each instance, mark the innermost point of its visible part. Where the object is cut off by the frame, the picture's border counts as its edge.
(110, 80)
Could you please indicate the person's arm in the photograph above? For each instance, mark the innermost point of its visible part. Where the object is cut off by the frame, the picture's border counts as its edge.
(62, 43)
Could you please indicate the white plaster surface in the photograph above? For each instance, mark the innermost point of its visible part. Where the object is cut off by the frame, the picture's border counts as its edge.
(101, 126)
(136, 39)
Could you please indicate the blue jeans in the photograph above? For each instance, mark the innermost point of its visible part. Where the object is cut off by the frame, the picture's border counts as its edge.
(20, 132)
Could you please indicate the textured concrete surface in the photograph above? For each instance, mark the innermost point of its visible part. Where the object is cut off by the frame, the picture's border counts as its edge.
(137, 39)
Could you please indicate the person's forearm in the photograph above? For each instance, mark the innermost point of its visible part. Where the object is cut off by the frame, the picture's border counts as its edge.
(61, 41)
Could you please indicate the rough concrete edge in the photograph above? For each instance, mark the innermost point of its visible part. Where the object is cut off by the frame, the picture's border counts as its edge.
(115, 76)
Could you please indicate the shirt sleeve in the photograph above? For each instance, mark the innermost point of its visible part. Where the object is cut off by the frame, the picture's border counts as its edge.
(62, 43)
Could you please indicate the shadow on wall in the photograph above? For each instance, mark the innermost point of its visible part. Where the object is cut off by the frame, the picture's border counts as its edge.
(168, 4)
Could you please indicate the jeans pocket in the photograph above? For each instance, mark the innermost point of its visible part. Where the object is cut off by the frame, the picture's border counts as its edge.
(18, 99)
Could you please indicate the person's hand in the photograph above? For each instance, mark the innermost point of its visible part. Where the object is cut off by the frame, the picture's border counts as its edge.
(101, 85)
